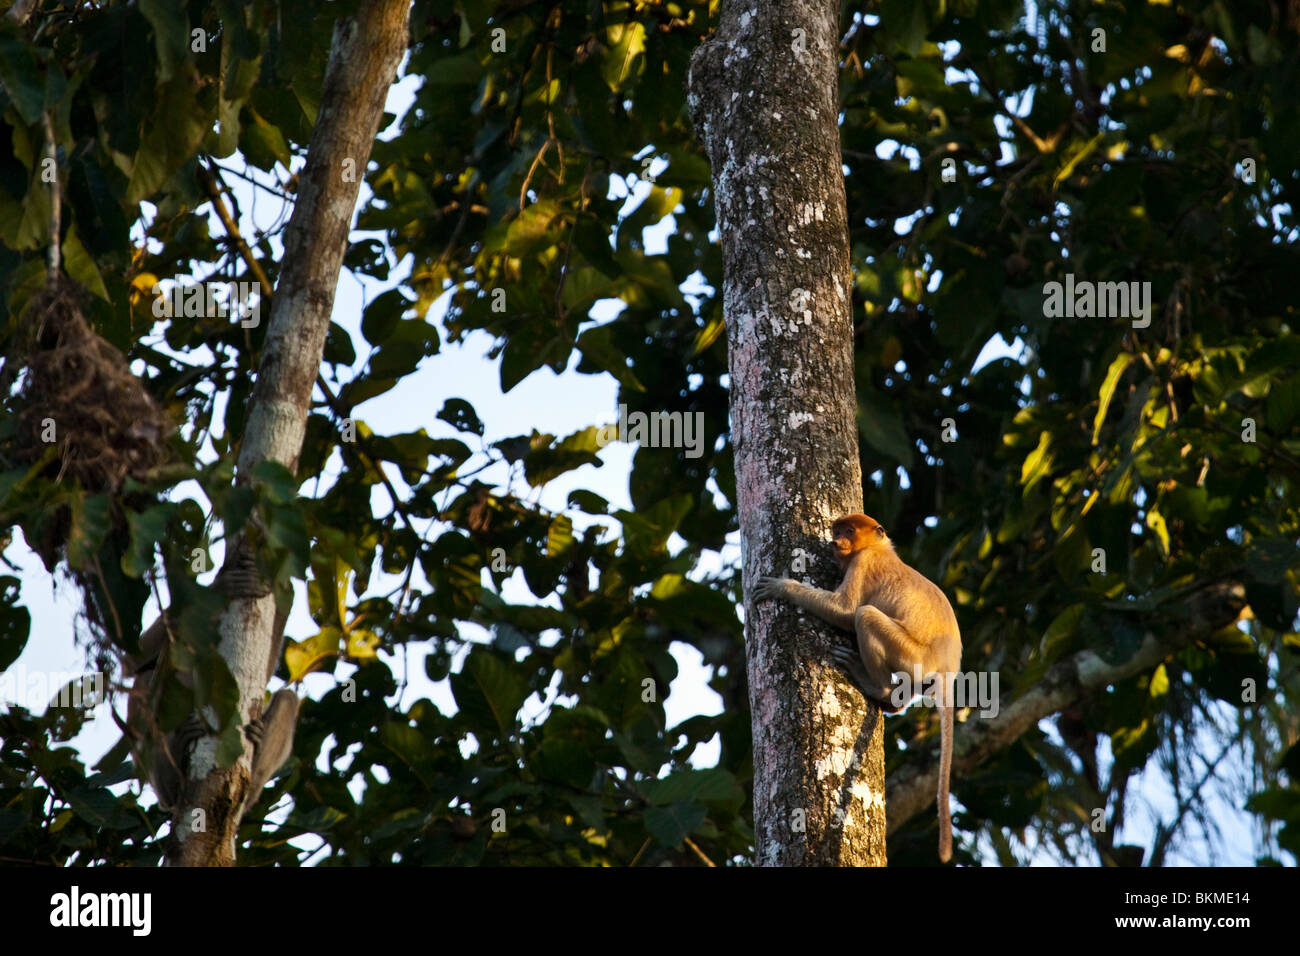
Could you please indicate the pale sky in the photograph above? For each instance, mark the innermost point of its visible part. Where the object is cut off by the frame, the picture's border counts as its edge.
(550, 403)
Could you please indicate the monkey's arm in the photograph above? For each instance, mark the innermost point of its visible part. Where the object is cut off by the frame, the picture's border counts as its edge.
(830, 606)
(833, 607)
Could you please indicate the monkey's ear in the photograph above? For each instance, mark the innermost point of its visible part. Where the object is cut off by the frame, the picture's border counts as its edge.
(880, 531)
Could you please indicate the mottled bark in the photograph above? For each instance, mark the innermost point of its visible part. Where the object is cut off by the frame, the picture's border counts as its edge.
(363, 61)
(763, 98)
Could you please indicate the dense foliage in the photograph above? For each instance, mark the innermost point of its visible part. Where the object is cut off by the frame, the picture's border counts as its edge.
(1122, 164)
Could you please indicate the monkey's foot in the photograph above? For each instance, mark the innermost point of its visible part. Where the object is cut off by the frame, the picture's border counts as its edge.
(848, 661)
(887, 706)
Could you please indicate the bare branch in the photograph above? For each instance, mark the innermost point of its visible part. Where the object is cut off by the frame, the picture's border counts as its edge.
(1206, 611)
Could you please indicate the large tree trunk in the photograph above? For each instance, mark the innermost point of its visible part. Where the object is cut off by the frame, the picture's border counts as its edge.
(364, 57)
(763, 98)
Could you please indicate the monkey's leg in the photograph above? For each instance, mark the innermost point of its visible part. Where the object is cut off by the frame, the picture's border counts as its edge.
(886, 647)
(850, 662)
(272, 736)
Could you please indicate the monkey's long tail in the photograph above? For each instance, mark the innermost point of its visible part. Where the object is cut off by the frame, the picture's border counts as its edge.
(945, 768)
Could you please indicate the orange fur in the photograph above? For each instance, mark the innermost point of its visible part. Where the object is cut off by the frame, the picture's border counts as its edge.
(902, 620)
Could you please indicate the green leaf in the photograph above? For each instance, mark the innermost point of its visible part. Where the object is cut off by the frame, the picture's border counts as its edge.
(1277, 803)
(1113, 373)
(381, 317)
(554, 459)
(531, 231)
(709, 785)
(1072, 554)
(671, 825)
(461, 416)
(81, 266)
(620, 61)
(1264, 49)
(1156, 522)
(588, 502)
(303, 657)
(287, 530)
(589, 810)
(526, 352)
(394, 361)
(147, 529)
(565, 761)
(21, 77)
(1060, 634)
(277, 482)
(263, 143)
(1283, 406)
(241, 73)
(363, 388)
(91, 521)
(906, 22)
(230, 745)
(583, 286)
(1038, 463)
(883, 430)
(1159, 682)
(15, 621)
(233, 505)
(453, 449)
(1132, 745)
(559, 536)
(338, 347)
(460, 69)
(214, 686)
(171, 28)
(411, 747)
(175, 130)
(34, 227)
(489, 690)
(600, 352)
(1290, 761)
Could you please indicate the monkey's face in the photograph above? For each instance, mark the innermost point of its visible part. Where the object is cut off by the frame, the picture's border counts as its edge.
(852, 533)
(842, 538)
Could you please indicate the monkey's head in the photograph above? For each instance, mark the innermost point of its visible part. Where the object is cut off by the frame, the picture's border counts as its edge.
(853, 533)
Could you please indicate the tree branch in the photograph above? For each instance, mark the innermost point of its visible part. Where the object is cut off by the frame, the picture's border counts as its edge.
(1207, 610)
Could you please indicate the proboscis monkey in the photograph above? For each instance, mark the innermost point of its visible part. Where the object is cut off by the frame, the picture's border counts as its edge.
(903, 622)
(166, 756)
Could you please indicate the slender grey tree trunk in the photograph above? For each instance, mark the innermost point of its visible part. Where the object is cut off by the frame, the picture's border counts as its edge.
(763, 95)
(363, 61)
